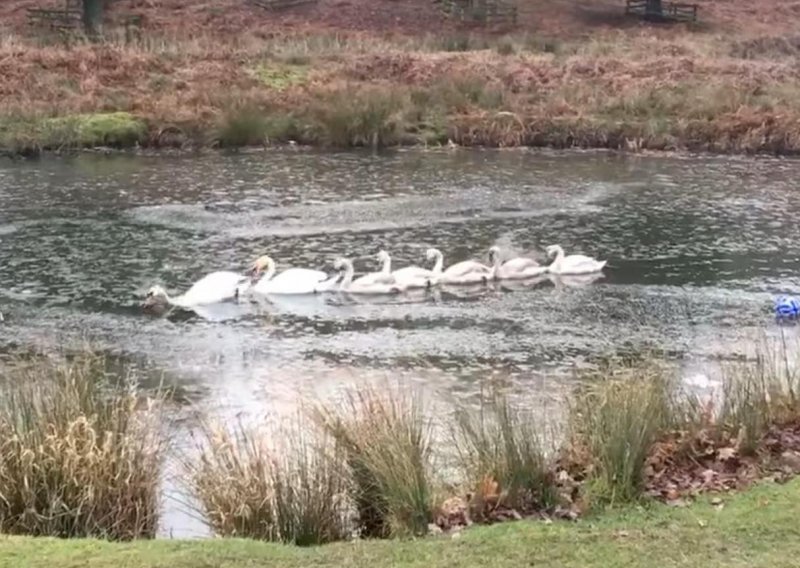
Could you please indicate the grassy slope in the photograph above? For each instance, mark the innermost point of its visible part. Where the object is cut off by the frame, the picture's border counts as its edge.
(223, 72)
(756, 528)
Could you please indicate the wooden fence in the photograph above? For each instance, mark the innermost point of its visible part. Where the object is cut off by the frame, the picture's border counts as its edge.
(670, 11)
(486, 12)
(57, 19)
(70, 19)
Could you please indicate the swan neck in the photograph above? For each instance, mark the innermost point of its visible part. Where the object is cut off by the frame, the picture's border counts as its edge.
(269, 272)
(347, 279)
(387, 265)
(559, 257)
(437, 268)
(495, 264)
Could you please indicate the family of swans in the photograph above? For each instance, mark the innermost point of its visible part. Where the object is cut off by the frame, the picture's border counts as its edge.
(223, 286)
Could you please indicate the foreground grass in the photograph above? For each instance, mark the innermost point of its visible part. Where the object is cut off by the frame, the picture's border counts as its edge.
(755, 528)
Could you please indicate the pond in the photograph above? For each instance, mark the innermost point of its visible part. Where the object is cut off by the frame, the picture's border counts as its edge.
(697, 248)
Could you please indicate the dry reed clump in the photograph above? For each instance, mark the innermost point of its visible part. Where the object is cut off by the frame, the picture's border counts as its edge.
(616, 418)
(387, 440)
(78, 457)
(370, 116)
(249, 485)
(502, 453)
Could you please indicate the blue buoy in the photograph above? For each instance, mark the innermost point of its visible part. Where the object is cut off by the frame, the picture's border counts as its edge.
(787, 307)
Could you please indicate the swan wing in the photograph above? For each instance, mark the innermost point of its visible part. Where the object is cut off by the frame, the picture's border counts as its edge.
(580, 264)
(213, 288)
(412, 272)
(414, 277)
(375, 288)
(293, 281)
(374, 278)
(467, 267)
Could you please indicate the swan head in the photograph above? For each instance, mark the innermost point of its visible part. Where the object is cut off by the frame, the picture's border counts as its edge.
(340, 264)
(156, 299)
(382, 256)
(432, 254)
(261, 264)
(494, 252)
(553, 250)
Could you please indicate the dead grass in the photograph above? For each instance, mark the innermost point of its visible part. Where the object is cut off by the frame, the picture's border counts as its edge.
(78, 457)
(504, 457)
(628, 90)
(387, 438)
(278, 485)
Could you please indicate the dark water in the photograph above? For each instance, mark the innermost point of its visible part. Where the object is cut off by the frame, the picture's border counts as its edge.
(697, 249)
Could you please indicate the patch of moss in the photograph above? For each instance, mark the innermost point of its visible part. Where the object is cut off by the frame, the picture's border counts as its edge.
(31, 135)
(281, 77)
(117, 129)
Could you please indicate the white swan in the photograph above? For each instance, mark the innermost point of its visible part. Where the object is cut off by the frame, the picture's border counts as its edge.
(381, 277)
(212, 288)
(572, 264)
(465, 272)
(290, 281)
(518, 268)
(416, 277)
(386, 284)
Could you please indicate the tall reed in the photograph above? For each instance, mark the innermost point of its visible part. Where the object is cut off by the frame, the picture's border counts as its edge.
(386, 437)
(617, 417)
(78, 456)
(504, 445)
(249, 484)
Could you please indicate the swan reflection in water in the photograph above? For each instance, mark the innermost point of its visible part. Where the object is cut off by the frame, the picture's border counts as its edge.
(561, 281)
(524, 284)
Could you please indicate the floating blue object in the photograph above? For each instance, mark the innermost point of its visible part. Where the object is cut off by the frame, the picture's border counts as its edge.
(787, 307)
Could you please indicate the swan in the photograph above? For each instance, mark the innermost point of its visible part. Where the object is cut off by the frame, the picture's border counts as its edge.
(384, 285)
(416, 277)
(465, 272)
(572, 264)
(210, 289)
(518, 268)
(290, 281)
(381, 277)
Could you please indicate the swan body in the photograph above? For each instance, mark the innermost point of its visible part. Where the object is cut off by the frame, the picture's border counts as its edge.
(212, 288)
(519, 268)
(290, 281)
(384, 285)
(572, 264)
(417, 277)
(465, 272)
(384, 276)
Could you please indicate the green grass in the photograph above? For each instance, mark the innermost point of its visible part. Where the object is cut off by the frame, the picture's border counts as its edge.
(31, 135)
(281, 77)
(753, 529)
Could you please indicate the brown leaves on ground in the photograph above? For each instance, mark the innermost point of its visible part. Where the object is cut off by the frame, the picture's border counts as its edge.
(685, 465)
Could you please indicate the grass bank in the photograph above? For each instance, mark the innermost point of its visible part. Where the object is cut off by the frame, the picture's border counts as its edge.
(631, 90)
(752, 529)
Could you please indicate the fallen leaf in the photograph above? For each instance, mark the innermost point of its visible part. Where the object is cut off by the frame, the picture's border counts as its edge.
(725, 454)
